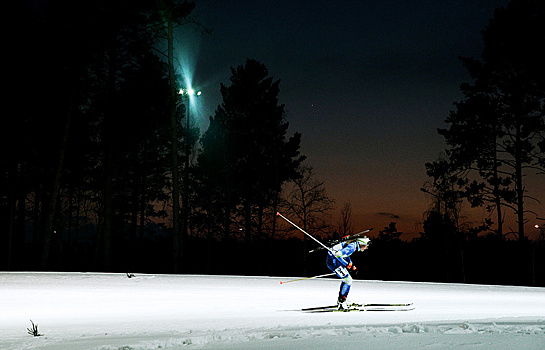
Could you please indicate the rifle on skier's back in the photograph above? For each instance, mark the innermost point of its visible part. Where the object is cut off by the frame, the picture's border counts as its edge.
(343, 239)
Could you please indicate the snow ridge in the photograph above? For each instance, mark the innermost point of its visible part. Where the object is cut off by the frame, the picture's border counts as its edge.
(318, 335)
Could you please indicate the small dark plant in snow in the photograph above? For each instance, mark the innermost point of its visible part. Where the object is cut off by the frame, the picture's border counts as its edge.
(34, 330)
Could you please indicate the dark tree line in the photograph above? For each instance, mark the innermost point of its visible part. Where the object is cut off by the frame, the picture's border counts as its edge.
(89, 143)
(496, 138)
(496, 134)
(101, 170)
(93, 178)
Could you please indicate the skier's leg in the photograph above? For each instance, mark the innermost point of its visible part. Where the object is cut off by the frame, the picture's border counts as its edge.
(341, 272)
(345, 287)
(343, 292)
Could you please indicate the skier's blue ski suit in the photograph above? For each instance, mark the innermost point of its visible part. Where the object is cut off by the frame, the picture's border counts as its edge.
(339, 260)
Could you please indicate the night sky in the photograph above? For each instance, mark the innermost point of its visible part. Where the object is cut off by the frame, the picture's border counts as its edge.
(366, 83)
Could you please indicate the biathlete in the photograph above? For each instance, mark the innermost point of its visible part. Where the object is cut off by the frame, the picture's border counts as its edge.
(338, 260)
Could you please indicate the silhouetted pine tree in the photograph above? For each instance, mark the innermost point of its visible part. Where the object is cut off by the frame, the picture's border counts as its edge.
(246, 154)
(498, 129)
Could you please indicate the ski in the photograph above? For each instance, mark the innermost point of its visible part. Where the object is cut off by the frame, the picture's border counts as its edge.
(374, 306)
(343, 239)
(319, 308)
(381, 304)
(362, 309)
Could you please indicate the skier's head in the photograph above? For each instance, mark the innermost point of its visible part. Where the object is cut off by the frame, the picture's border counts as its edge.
(363, 242)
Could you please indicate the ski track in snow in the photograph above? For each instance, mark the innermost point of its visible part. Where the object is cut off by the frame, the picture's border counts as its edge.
(110, 311)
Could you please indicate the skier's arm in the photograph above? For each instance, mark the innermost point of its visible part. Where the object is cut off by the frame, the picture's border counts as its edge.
(343, 255)
(340, 257)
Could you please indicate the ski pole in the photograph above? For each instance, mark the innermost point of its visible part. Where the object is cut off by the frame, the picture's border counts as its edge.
(307, 278)
(320, 243)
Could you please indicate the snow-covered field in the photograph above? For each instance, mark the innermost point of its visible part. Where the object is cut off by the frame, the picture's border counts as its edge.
(111, 311)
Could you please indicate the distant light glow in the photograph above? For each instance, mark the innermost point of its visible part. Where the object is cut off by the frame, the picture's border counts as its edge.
(189, 92)
(186, 51)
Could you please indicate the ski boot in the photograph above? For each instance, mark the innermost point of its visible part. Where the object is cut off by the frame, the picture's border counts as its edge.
(342, 304)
